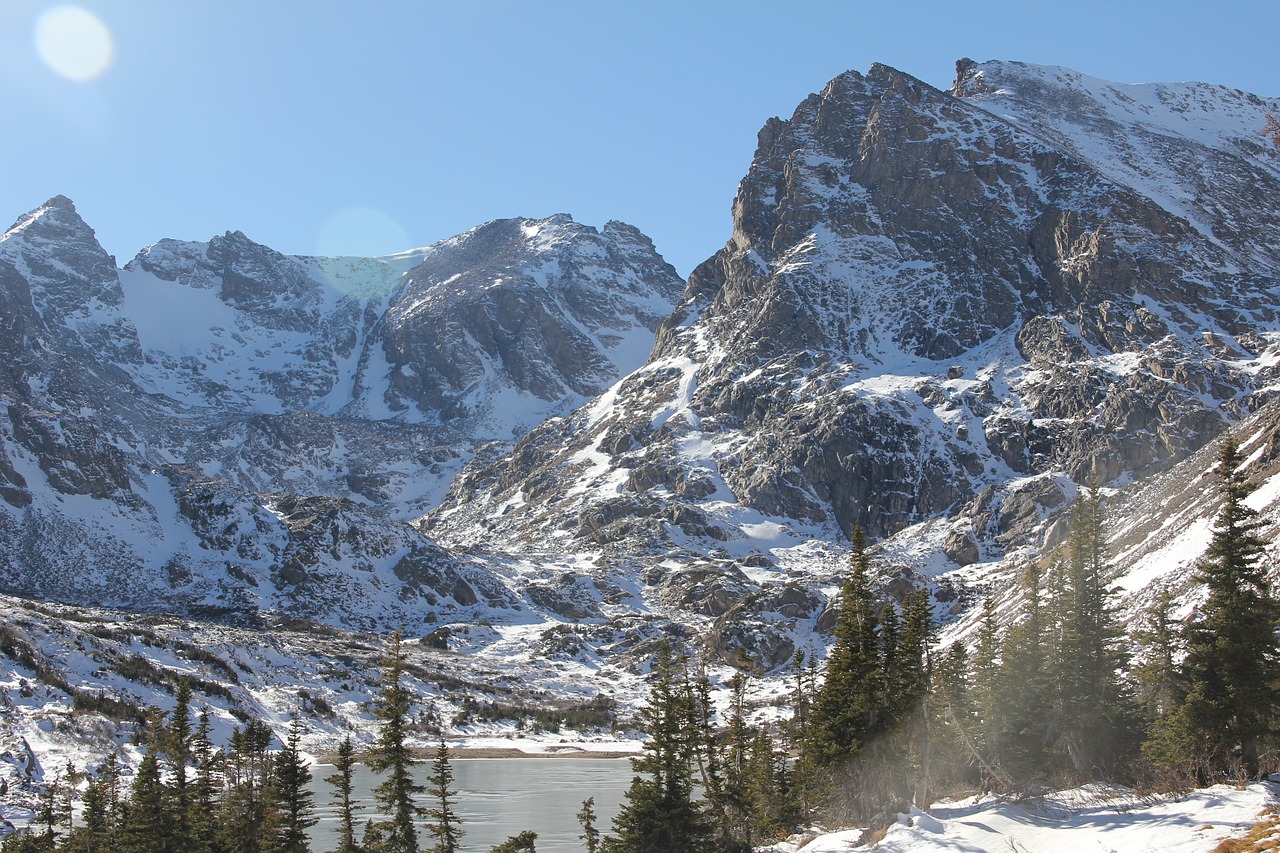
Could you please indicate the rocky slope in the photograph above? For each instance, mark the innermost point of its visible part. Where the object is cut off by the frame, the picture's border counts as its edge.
(220, 428)
(937, 312)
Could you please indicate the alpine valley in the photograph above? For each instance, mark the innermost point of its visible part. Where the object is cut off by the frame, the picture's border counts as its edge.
(537, 451)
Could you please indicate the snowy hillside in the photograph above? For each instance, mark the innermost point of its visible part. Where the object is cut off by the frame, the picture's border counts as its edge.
(1091, 818)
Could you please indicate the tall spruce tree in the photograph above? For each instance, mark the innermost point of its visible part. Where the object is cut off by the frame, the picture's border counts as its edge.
(176, 743)
(204, 789)
(1093, 726)
(341, 782)
(848, 708)
(1155, 672)
(243, 806)
(444, 824)
(291, 809)
(145, 827)
(390, 754)
(985, 737)
(661, 813)
(1023, 691)
(1232, 666)
(587, 820)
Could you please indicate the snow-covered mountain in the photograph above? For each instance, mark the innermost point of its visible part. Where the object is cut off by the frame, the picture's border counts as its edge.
(938, 313)
(220, 428)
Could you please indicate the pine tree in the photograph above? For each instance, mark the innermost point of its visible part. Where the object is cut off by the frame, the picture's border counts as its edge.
(722, 803)
(848, 707)
(390, 754)
(587, 820)
(203, 795)
(1023, 691)
(736, 800)
(291, 811)
(1232, 667)
(805, 776)
(176, 743)
(341, 781)
(912, 675)
(444, 823)
(243, 813)
(146, 828)
(1160, 687)
(1093, 724)
(92, 834)
(48, 814)
(520, 843)
(952, 719)
(660, 812)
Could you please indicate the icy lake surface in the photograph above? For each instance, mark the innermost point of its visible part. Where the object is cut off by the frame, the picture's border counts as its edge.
(497, 798)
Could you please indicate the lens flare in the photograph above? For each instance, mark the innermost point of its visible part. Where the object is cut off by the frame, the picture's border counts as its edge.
(360, 231)
(348, 237)
(74, 43)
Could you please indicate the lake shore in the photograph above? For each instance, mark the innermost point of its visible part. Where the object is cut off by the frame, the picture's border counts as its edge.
(546, 751)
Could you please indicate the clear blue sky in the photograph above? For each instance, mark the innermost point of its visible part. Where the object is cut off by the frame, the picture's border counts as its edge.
(369, 127)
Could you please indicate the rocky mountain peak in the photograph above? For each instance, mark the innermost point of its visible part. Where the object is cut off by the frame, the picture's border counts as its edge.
(56, 217)
(55, 230)
(550, 308)
(925, 294)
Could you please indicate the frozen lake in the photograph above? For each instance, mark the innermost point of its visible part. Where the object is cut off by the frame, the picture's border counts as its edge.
(499, 797)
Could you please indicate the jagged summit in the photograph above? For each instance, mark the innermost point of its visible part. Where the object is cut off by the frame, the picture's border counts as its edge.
(54, 226)
(936, 313)
(220, 427)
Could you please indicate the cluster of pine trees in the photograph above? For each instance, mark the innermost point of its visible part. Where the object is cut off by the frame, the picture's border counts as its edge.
(185, 797)
(1051, 697)
(189, 797)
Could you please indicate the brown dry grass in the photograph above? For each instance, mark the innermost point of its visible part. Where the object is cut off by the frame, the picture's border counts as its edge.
(1263, 836)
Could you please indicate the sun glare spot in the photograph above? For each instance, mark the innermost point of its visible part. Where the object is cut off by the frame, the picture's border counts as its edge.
(361, 231)
(357, 232)
(74, 43)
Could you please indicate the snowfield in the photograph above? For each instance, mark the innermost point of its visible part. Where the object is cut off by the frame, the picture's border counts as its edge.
(1082, 820)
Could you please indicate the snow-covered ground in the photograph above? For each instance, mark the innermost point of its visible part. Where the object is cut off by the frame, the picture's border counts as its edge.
(1083, 820)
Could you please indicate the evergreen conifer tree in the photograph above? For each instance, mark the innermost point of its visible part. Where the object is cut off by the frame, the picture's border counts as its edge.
(1232, 666)
(203, 796)
(243, 812)
(146, 827)
(390, 754)
(660, 812)
(587, 820)
(1093, 724)
(847, 710)
(291, 810)
(1159, 684)
(341, 781)
(93, 835)
(444, 824)
(176, 743)
(1023, 691)
(520, 843)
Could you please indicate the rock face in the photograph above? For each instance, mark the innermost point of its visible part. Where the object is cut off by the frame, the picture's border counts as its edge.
(219, 428)
(937, 312)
